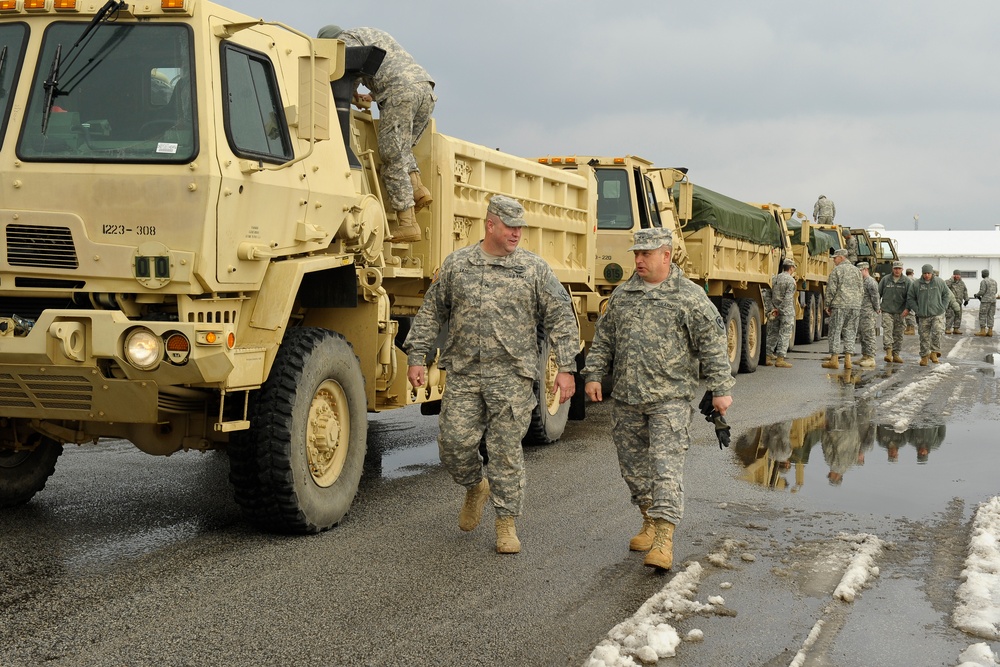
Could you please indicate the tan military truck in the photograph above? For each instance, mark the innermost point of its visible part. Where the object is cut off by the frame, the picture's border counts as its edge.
(730, 248)
(195, 255)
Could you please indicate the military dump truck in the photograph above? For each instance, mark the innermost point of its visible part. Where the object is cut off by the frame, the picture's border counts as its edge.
(730, 248)
(195, 253)
(879, 251)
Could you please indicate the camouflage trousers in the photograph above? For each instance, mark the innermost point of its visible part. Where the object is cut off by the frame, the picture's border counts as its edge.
(402, 119)
(911, 321)
(952, 316)
(779, 334)
(652, 440)
(825, 220)
(867, 320)
(843, 329)
(892, 331)
(498, 404)
(931, 330)
(987, 309)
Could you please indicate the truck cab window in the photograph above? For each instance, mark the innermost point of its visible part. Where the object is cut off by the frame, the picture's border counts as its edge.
(254, 115)
(614, 203)
(12, 40)
(654, 210)
(125, 95)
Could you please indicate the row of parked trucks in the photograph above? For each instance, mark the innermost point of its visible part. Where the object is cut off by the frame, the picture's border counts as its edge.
(197, 254)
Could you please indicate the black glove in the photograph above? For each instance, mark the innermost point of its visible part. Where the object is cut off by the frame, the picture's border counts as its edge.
(713, 416)
(976, 296)
(966, 303)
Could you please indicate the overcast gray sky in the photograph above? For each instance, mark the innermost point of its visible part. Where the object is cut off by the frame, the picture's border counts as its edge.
(888, 107)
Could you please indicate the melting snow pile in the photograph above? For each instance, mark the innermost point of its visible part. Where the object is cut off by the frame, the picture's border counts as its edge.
(862, 566)
(978, 609)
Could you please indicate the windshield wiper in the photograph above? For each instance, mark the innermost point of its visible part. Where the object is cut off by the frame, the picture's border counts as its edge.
(51, 84)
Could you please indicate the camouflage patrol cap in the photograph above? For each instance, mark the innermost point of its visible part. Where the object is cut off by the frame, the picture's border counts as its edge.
(897, 264)
(840, 252)
(651, 239)
(330, 32)
(510, 212)
(788, 262)
(863, 265)
(909, 272)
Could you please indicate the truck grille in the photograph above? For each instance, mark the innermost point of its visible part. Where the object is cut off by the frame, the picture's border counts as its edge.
(46, 391)
(41, 246)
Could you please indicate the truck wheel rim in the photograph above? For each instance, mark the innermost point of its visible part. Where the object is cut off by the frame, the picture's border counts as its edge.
(733, 336)
(328, 433)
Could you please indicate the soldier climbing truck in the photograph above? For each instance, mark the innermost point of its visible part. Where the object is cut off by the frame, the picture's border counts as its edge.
(196, 249)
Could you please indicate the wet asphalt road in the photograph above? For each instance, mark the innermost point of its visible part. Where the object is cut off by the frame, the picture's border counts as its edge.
(128, 559)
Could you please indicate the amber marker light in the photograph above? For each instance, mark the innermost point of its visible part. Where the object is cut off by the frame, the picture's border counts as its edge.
(619, 160)
(210, 337)
(34, 5)
(231, 340)
(173, 5)
(8, 6)
(64, 5)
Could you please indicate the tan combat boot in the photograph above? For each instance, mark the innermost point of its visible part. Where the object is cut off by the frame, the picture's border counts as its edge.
(867, 361)
(981, 332)
(909, 331)
(935, 356)
(833, 362)
(421, 195)
(847, 361)
(407, 230)
(896, 359)
(923, 361)
(643, 541)
(769, 360)
(472, 509)
(888, 355)
(661, 554)
(956, 330)
(507, 542)
(989, 332)
(781, 363)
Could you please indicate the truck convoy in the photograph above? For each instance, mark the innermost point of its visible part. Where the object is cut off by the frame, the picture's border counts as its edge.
(196, 254)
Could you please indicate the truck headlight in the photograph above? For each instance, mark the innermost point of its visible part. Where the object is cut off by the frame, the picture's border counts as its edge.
(143, 349)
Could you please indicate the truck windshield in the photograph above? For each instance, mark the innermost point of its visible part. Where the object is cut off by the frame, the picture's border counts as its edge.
(12, 39)
(124, 95)
(614, 203)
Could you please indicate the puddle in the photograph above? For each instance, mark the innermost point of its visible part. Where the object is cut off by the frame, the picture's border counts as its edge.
(409, 461)
(838, 459)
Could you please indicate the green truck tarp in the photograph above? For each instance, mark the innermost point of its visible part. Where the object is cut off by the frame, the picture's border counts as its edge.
(820, 242)
(731, 218)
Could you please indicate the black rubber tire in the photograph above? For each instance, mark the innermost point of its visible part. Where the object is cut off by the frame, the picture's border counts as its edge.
(269, 464)
(822, 324)
(24, 473)
(734, 334)
(753, 341)
(546, 426)
(805, 329)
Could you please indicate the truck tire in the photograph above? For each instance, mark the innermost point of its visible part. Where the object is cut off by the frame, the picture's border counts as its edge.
(753, 341)
(298, 468)
(24, 473)
(549, 416)
(822, 328)
(734, 334)
(805, 329)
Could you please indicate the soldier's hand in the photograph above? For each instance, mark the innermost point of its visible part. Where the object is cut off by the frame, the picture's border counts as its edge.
(565, 385)
(722, 403)
(593, 391)
(417, 375)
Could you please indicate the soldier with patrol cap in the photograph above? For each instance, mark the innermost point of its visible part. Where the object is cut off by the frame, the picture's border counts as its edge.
(871, 309)
(910, 318)
(658, 334)
(491, 298)
(987, 296)
(953, 316)
(892, 290)
(781, 319)
(843, 302)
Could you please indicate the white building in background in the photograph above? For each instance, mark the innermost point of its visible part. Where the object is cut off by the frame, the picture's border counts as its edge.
(969, 251)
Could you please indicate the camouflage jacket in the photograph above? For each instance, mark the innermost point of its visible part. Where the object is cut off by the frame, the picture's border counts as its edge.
(491, 308)
(893, 293)
(824, 206)
(987, 290)
(783, 294)
(928, 298)
(399, 70)
(844, 287)
(658, 342)
(851, 245)
(870, 300)
(959, 289)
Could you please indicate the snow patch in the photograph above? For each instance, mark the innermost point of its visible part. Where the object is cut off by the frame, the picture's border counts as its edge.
(862, 566)
(978, 608)
(978, 655)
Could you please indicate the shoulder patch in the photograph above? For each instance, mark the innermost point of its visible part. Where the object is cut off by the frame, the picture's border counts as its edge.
(720, 324)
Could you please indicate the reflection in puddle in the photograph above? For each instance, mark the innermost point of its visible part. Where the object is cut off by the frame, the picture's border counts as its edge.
(843, 460)
(409, 461)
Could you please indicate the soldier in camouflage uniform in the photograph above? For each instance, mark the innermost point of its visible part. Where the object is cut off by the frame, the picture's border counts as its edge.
(910, 318)
(658, 335)
(892, 290)
(404, 92)
(851, 245)
(871, 310)
(953, 316)
(492, 298)
(987, 296)
(843, 303)
(842, 442)
(781, 318)
(824, 211)
(927, 298)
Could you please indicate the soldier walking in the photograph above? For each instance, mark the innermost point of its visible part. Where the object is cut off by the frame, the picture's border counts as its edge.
(910, 318)
(781, 318)
(892, 290)
(871, 309)
(953, 316)
(987, 296)
(492, 298)
(659, 336)
(843, 301)
(927, 298)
